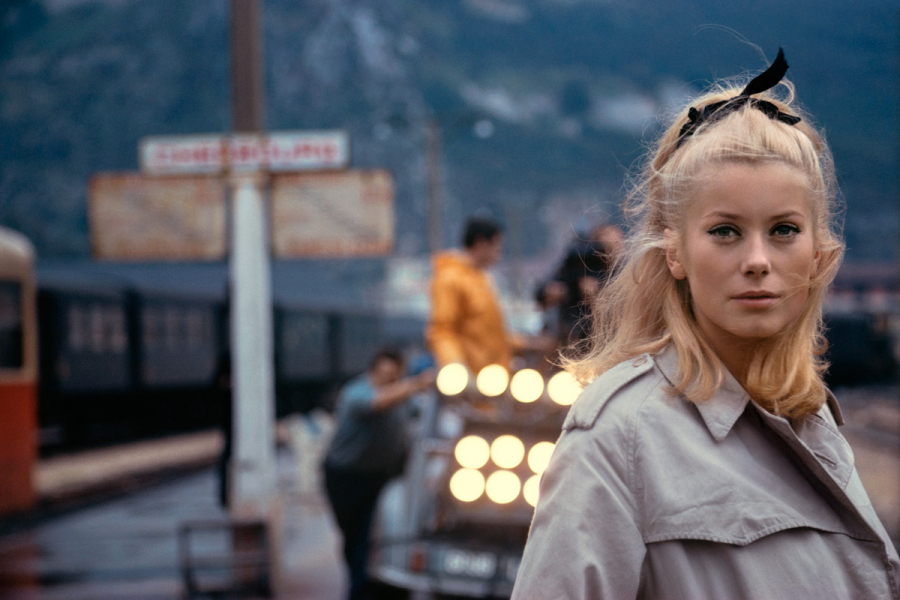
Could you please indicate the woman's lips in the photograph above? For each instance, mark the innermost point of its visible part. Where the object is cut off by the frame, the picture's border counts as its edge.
(756, 299)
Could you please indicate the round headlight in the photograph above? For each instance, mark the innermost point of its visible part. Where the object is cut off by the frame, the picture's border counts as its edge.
(531, 490)
(527, 385)
(467, 485)
(452, 379)
(472, 452)
(539, 456)
(492, 380)
(563, 388)
(507, 451)
(503, 486)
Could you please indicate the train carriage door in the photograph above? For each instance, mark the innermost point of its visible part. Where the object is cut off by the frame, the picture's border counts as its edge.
(18, 372)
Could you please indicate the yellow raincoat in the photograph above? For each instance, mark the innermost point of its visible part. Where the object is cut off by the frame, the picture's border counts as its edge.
(466, 324)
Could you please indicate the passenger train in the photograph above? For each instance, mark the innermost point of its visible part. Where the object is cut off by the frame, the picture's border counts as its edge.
(118, 363)
(18, 371)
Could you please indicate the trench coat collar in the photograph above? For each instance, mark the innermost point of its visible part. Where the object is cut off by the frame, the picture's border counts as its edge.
(722, 411)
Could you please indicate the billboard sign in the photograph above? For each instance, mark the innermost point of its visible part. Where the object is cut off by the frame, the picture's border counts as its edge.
(132, 217)
(348, 213)
(214, 154)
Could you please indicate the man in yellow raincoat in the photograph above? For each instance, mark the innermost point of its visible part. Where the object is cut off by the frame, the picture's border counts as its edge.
(466, 323)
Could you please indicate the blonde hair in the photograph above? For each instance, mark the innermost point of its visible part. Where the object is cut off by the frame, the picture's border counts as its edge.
(644, 308)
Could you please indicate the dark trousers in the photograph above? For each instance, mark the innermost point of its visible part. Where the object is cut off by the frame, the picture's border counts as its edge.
(352, 495)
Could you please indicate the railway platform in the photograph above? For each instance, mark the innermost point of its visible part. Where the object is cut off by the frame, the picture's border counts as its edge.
(109, 520)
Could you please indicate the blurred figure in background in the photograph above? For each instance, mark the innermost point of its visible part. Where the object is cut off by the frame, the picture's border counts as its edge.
(466, 323)
(224, 415)
(369, 448)
(566, 297)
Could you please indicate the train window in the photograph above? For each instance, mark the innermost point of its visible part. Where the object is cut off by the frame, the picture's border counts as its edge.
(172, 327)
(195, 328)
(152, 325)
(291, 335)
(97, 334)
(118, 337)
(209, 329)
(299, 332)
(77, 331)
(296, 334)
(11, 356)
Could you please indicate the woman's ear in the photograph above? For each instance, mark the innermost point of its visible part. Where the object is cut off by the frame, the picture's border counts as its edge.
(814, 270)
(673, 256)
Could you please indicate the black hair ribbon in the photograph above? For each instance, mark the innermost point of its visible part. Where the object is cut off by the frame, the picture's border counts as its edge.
(762, 82)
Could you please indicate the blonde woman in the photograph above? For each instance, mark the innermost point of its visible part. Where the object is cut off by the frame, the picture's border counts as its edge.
(704, 460)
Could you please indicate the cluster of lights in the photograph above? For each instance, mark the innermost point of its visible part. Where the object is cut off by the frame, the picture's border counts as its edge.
(563, 388)
(452, 379)
(526, 385)
(502, 486)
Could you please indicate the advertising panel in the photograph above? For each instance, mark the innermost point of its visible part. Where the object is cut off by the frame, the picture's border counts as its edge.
(132, 217)
(349, 213)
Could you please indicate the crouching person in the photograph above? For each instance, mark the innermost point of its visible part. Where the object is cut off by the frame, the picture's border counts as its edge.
(368, 449)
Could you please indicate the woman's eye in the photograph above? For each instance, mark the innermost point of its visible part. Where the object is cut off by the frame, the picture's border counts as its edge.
(723, 231)
(785, 229)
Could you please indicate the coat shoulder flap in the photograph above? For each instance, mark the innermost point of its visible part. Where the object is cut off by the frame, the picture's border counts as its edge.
(586, 409)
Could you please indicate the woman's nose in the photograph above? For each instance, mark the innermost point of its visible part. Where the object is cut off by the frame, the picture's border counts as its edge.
(756, 260)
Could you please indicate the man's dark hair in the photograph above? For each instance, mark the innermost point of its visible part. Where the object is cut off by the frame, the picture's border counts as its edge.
(391, 354)
(480, 229)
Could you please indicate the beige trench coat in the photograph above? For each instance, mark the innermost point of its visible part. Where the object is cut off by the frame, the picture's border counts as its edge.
(649, 496)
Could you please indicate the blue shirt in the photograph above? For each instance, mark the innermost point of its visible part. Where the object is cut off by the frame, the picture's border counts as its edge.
(366, 439)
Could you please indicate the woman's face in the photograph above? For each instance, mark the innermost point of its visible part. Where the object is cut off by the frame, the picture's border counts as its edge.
(747, 252)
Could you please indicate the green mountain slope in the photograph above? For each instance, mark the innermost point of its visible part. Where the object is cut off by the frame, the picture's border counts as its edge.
(573, 91)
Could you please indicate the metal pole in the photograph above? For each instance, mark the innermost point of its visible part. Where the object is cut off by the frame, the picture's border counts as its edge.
(247, 91)
(433, 166)
(252, 480)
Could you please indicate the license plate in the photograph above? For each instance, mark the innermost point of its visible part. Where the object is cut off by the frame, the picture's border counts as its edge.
(473, 564)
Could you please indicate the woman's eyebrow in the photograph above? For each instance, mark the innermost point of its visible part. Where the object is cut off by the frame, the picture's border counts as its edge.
(735, 217)
(785, 215)
(722, 215)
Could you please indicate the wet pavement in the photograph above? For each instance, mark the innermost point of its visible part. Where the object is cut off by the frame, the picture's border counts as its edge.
(127, 548)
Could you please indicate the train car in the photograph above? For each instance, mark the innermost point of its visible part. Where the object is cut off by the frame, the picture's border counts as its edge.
(356, 337)
(303, 359)
(127, 356)
(317, 351)
(86, 364)
(179, 341)
(121, 364)
(18, 371)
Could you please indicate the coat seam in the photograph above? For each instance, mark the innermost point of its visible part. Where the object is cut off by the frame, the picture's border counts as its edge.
(834, 434)
(632, 476)
(890, 570)
(737, 541)
(843, 482)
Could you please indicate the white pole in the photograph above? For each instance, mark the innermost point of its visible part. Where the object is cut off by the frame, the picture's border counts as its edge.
(253, 476)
